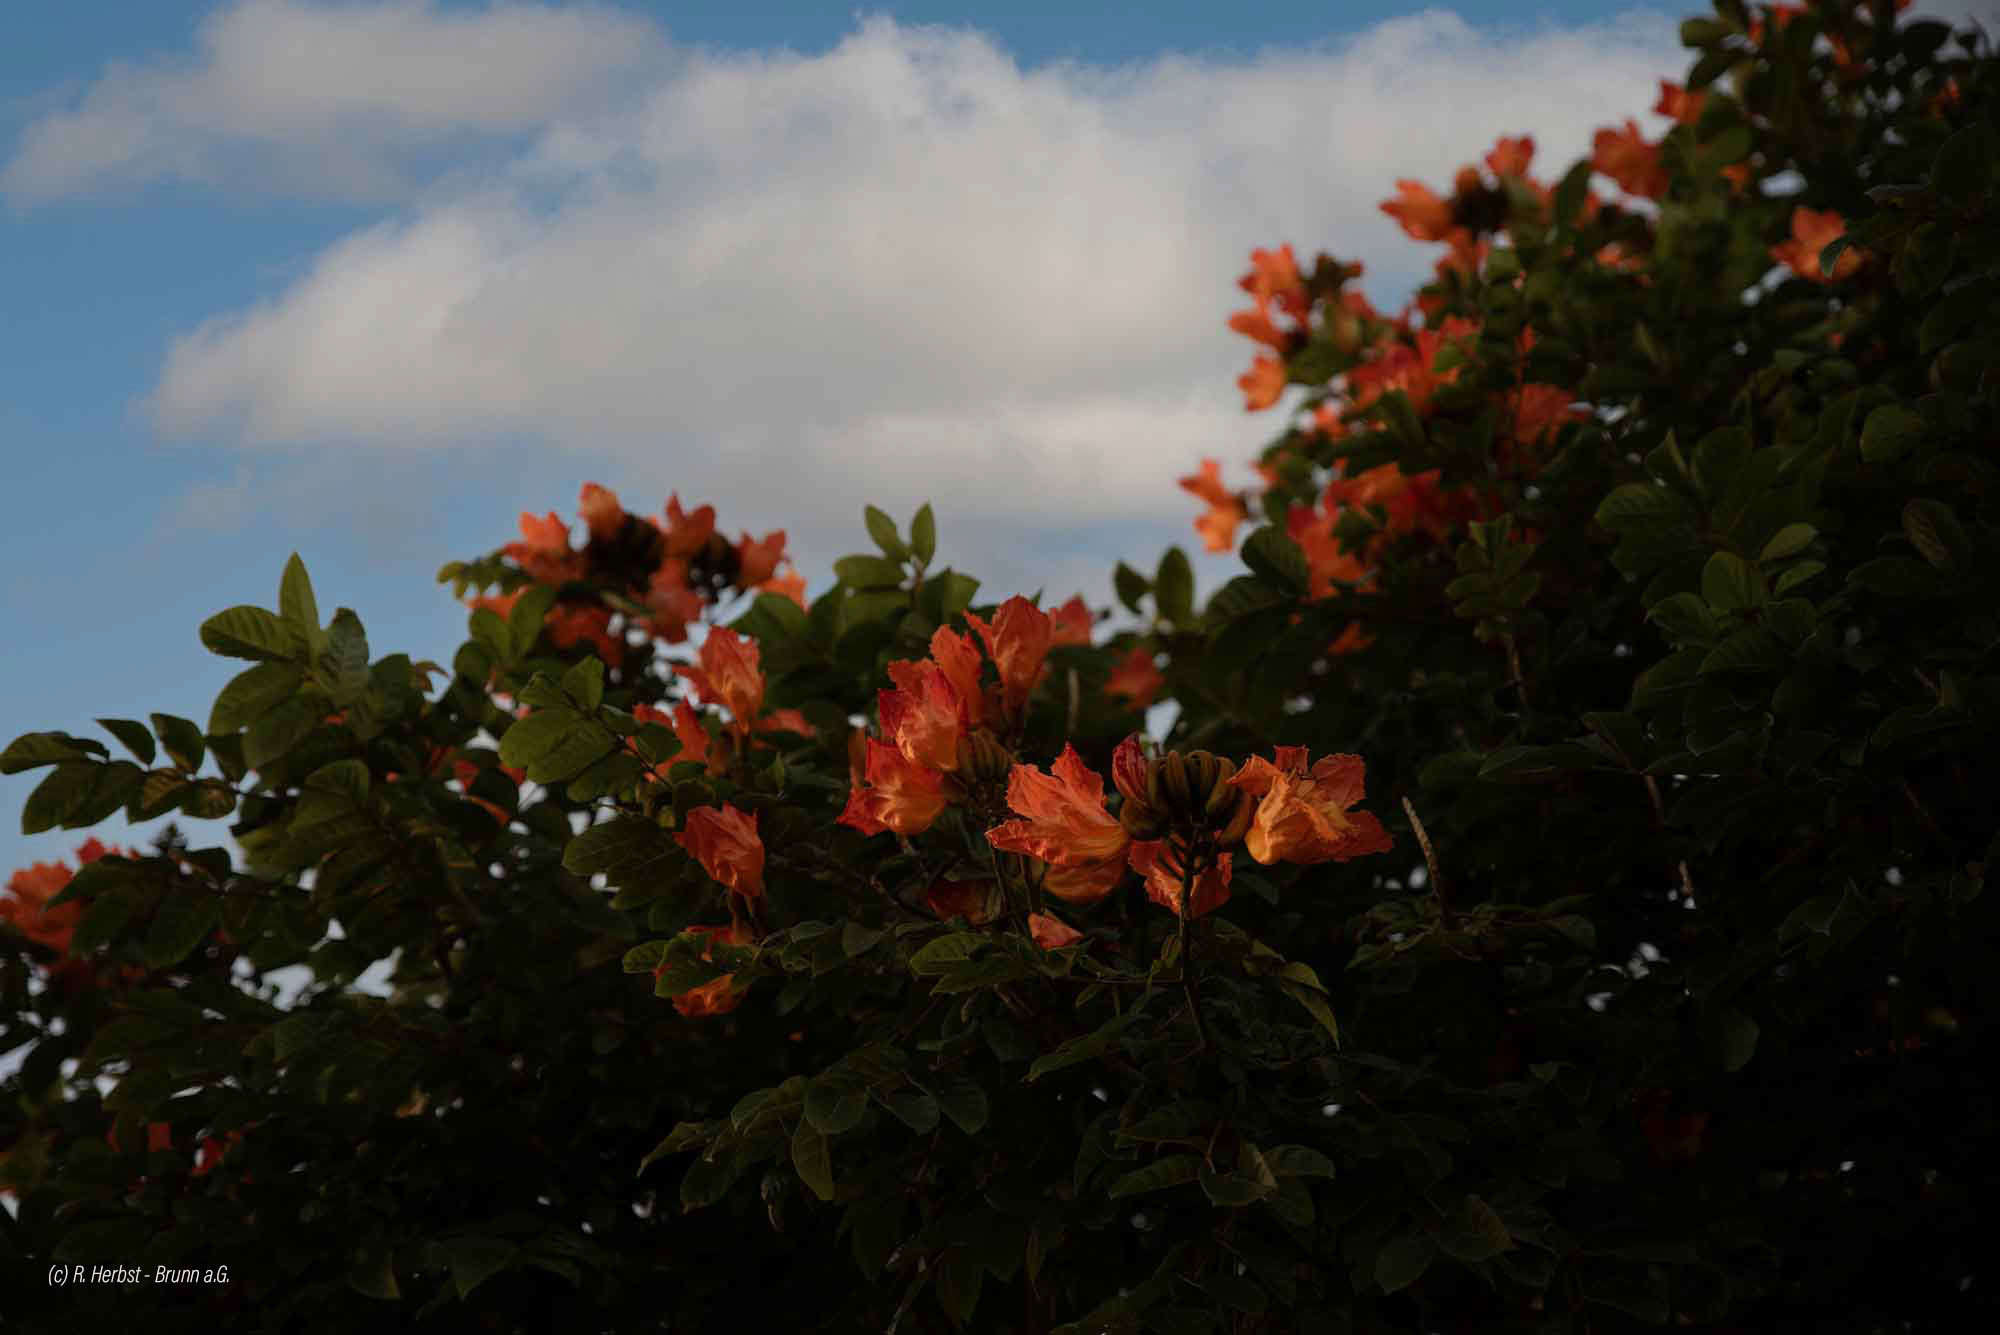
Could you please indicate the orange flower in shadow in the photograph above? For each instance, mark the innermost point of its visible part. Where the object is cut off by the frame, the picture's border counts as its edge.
(725, 842)
(1303, 812)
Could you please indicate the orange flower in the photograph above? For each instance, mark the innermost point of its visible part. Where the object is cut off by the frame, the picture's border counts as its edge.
(1411, 368)
(26, 905)
(601, 511)
(955, 653)
(1811, 233)
(1328, 564)
(212, 1151)
(1274, 276)
(925, 718)
(159, 1136)
(960, 899)
(697, 746)
(1051, 933)
(687, 534)
(1018, 643)
(1065, 821)
(1136, 677)
(725, 841)
(1780, 16)
(544, 551)
(1303, 815)
(1084, 882)
(670, 603)
(1630, 161)
(1256, 324)
(1510, 157)
(1422, 214)
(728, 675)
(786, 720)
(1738, 175)
(791, 585)
(1678, 103)
(1161, 864)
(1542, 410)
(718, 996)
(1350, 641)
(500, 604)
(758, 561)
(1412, 503)
(571, 624)
(1071, 623)
(1262, 383)
(901, 795)
(1225, 508)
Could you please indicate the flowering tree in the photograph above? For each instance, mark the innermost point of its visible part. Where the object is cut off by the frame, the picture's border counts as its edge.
(1556, 906)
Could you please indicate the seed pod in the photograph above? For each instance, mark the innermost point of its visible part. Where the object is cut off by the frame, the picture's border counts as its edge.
(1240, 817)
(1141, 821)
(1174, 778)
(1221, 797)
(1156, 787)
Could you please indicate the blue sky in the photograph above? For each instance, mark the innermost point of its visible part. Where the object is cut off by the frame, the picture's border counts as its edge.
(366, 280)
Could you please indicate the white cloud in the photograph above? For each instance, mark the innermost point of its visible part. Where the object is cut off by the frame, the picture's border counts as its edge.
(903, 268)
(331, 100)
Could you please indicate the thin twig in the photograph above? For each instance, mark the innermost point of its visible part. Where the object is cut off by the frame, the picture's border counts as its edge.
(1188, 863)
(1430, 862)
(1075, 702)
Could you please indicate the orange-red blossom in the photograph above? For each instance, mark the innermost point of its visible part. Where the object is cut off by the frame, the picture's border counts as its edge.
(1226, 509)
(1812, 232)
(1018, 642)
(1626, 157)
(25, 904)
(1064, 823)
(1160, 862)
(718, 996)
(1304, 813)
(726, 843)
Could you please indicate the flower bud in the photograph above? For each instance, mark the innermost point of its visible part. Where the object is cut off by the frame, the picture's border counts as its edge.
(1141, 820)
(1238, 823)
(982, 760)
(1221, 797)
(1174, 780)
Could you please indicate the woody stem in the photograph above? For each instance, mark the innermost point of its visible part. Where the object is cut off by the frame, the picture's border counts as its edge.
(1188, 863)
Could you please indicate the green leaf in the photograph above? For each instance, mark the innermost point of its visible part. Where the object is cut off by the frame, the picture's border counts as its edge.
(1298, 1161)
(295, 600)
(281, 729)
(137, 740)
(1173, 1171)
(1788, 541)
(1130, 585)
(1277, 559)
(66, 789)
(1736, 1039)
(1797, 575)
(251, 694)
(1684, 618)
(1173, 587)
(1228, 1190)
(1731, 584)
(1964, 165)
(812, 1159)
(1925, 259)
(959, 1276)
(1889, 432)
(946, 594)
(1751, 649)
(473, 1261)
(618, 847)
(528, 739)
(1403, 1261)
(836, 1102)
(868, 572)
(923, 534)
(1894, 577)
(248, 632)
(912, 1107)
(182, 740)
(372, 1276)
(939, 956)
(1474, 1232)
(343, 669)
(883, 530)
(32, 750)
(1935, 532)
(184, 918)
(964, 1103)
(530, 610)
(1640, 506)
